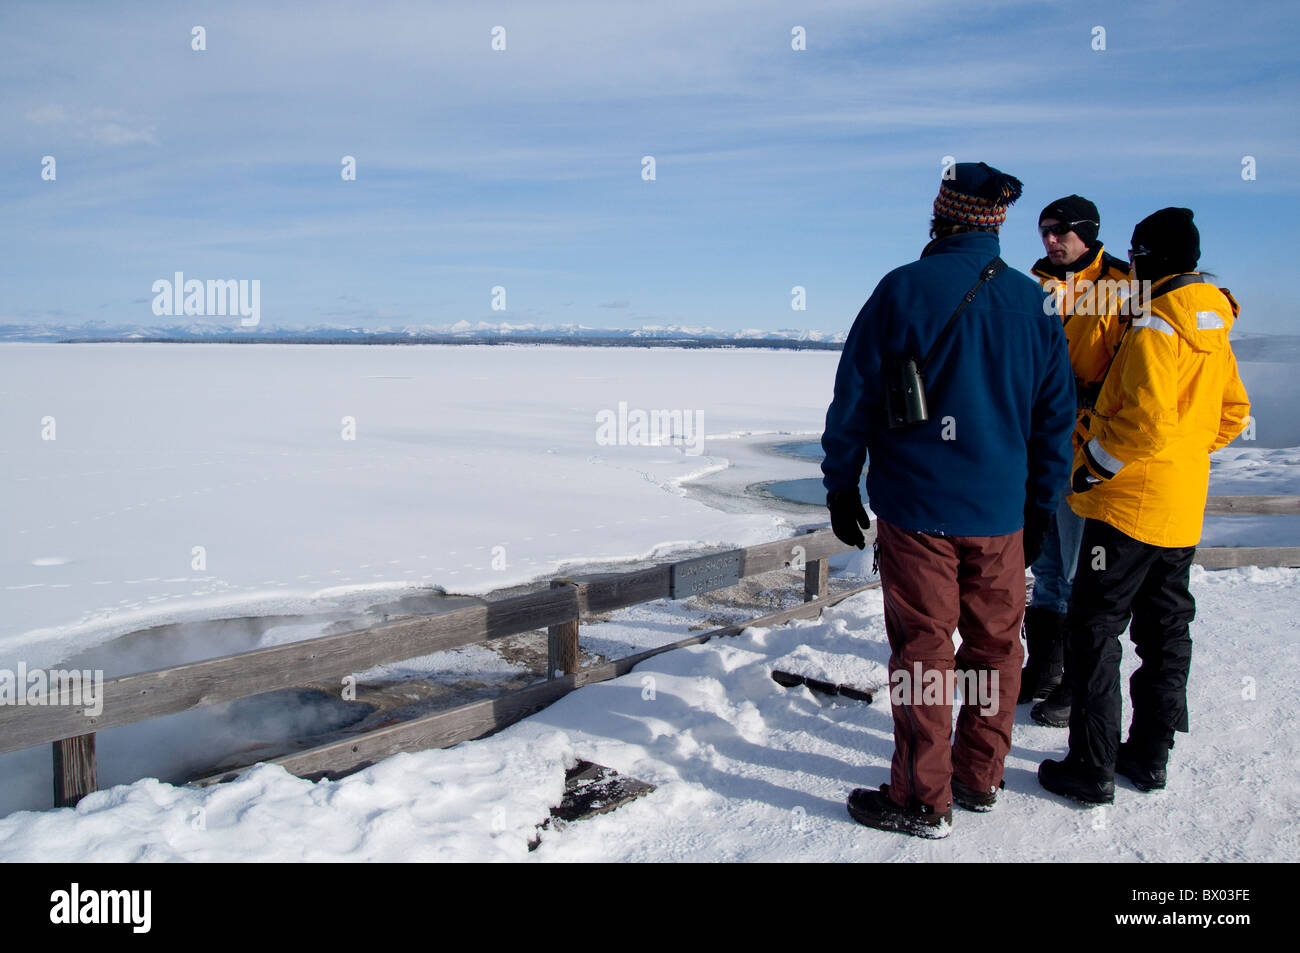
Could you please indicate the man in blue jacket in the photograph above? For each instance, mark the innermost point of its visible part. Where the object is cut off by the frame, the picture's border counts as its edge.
(962, 497)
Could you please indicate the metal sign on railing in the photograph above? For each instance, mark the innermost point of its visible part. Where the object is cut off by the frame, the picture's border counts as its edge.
(690, 577)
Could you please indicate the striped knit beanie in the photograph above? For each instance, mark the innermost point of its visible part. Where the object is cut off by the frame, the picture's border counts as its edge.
(975, 193)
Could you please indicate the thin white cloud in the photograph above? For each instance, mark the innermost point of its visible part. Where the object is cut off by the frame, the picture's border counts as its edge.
(107, 127)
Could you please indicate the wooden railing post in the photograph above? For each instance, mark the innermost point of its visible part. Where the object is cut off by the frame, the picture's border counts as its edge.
(562, 641)
(74, 769)
(816, 577)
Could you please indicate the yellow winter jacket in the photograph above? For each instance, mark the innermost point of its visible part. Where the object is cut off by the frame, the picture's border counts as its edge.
(1093, 304)
(1172, 397)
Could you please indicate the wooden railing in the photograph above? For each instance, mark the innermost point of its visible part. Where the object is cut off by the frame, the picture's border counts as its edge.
(560, 609)
(1230, 557)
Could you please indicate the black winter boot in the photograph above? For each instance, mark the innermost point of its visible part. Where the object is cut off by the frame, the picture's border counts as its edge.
(1054, 710)
(876, 809)
(973, 799)
(1046, 663)
(1069, 779)
(1144, 767)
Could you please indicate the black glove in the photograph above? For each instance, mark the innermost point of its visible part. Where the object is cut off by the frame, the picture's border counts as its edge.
(1037, 521)
(847, 514)
(1083, 480)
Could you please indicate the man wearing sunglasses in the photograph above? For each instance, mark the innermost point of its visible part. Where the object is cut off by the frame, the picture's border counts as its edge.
(1088, 290)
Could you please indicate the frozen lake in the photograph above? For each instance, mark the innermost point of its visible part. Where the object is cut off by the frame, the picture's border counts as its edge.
(147, 484)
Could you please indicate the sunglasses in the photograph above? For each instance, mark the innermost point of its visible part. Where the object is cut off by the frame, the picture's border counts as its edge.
(1061, 229)
(1137, 253)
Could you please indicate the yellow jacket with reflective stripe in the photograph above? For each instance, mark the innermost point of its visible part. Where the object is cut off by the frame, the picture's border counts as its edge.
(1171, 398)
(1092, 303)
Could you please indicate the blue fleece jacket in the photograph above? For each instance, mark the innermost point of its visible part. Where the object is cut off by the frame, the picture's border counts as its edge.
(1000, 393)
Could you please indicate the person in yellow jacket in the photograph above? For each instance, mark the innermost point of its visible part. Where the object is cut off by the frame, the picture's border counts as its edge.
(1089, 290)
(1171, 397)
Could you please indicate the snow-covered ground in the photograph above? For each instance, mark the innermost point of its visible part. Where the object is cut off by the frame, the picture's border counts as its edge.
(473, 469)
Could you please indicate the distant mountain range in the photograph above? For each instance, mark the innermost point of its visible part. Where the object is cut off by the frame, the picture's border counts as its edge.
(462, 332)
(1249, 346)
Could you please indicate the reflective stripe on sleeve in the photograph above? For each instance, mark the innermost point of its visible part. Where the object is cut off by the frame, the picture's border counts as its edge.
(1208, 321)
(1101, 461)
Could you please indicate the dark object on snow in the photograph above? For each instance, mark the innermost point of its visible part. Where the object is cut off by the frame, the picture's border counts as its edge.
(876, 809)
(1071, 779)
(1045, 667)
(974, 800)
(790, 680)
(590, 789)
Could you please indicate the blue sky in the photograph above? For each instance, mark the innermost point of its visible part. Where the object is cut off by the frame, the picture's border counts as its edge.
(522, 168)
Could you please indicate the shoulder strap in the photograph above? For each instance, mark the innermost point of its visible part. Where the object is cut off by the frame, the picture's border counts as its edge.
(990, 271)
(1095, 389)
(1180, 281)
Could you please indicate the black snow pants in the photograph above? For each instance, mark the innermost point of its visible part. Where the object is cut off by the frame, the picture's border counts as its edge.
(1119, 578)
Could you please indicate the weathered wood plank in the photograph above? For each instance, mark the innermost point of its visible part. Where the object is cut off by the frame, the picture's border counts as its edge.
(479, 719)
(609, 591)
(132, 698)
(767, 557)
(1230, 557)
(75, 773)
(1252, 506)
(816, 577)
(605, 592)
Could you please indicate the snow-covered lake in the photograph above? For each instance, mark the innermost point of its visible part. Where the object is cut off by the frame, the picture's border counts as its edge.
(471, 468)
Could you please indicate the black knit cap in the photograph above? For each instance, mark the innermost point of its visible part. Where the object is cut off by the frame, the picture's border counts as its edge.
(1075, 208)
(1172, 241)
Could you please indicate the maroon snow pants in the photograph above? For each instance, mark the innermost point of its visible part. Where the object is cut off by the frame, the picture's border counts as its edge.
(932, 585)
